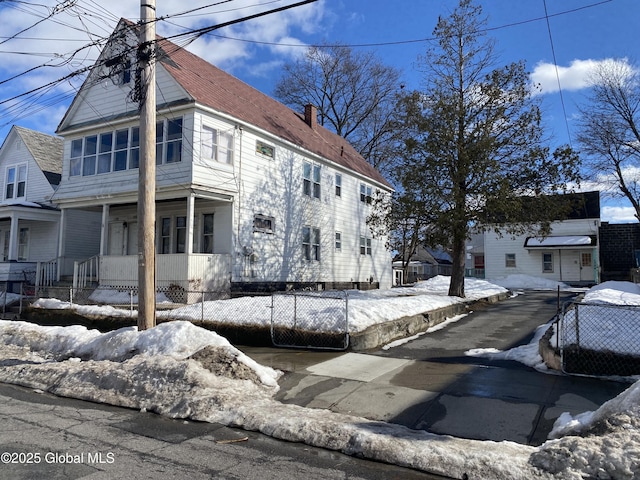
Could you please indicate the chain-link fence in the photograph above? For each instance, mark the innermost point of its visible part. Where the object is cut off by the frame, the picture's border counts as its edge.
(294, 319)
(600, 339)
(14, 296)
(310, 320)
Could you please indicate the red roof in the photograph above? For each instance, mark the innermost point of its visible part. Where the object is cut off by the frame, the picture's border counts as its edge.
(214, 88)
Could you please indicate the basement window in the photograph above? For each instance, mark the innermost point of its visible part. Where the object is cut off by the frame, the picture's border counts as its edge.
(263, 224)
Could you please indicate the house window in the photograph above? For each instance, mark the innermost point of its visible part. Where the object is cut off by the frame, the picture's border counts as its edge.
(165, 235)
(311, 243)
(217, 145)
(265, 149)
(174, 140)
(338, 185)
(338, 241)
(586, 259)
(181, 234)
(16, 186)
(126, 73)
(207, 233)
(365, 246)
(105, 147)
(365, 194)
(75, 166)
(510, 260)
(120, 150)
(23, 244)
(547, 262)
(262, 223)
(89, 155)
(134, 149)
(311, 184)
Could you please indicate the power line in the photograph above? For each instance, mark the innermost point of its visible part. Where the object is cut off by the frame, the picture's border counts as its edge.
(409, 41)
(555, 63)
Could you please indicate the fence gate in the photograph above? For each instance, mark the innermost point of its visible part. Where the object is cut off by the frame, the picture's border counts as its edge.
(600, 339)
(310, 320)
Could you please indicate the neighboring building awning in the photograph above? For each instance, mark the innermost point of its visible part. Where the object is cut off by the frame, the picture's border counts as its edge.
(561, 241)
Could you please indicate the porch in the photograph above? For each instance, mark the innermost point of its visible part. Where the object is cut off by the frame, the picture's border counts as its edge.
(183, 276)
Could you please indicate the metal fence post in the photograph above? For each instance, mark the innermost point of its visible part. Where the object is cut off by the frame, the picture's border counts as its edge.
(577, 326)
(346, 318)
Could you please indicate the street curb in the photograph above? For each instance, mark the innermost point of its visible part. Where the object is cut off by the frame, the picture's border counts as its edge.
(384, 333)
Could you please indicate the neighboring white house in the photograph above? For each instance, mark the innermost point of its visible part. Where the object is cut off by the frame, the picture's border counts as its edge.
(250, 194)
(31, 166)
(569, 254)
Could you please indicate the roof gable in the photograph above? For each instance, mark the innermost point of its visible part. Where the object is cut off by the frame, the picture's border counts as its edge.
(46, 150)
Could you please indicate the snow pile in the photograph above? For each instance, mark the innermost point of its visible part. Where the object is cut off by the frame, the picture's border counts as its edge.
(614, 293)
(178, 340)
(600, 444)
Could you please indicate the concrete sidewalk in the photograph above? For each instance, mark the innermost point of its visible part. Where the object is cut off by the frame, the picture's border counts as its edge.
(443, 391)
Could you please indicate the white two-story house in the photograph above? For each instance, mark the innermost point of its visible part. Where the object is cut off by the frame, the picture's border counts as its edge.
(250, 195)
(30, 235)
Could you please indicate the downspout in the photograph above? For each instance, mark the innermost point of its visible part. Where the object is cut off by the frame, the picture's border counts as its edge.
(239, 129)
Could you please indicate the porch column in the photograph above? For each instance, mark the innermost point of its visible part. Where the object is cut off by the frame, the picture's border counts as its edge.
(13, 238)
(104, 230)
(61, 242)
(61, 229)
(190, 222)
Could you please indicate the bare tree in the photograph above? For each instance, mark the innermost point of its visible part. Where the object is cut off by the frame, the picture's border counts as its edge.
(355, 95)
(609, 130)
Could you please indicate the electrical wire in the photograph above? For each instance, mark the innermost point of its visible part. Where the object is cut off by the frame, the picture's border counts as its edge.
(555, 63)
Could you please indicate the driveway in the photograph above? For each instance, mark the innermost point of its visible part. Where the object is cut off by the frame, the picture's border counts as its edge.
(430, 384)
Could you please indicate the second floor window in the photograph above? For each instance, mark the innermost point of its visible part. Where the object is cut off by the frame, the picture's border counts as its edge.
(16, 184)
(120, 149)
(311, 182)
(366, 194)
(217, 145)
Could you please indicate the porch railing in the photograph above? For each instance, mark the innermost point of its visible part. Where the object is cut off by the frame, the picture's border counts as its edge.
(47, 273)
(85, 272)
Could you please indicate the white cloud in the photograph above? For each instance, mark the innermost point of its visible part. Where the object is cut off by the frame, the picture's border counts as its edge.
(577, 76)
(613, 214)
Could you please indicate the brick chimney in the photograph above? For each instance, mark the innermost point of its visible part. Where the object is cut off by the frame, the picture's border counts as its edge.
(311, 115)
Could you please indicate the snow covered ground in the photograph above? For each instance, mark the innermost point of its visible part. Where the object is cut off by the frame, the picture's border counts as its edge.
(183, 371)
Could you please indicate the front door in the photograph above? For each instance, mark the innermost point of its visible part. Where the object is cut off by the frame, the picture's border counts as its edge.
(586, 267)
(123, 238)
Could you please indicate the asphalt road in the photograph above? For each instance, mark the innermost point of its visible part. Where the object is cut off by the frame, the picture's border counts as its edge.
(501, 325)
(47, 437)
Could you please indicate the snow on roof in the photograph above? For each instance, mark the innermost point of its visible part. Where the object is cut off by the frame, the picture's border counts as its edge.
(559, 241)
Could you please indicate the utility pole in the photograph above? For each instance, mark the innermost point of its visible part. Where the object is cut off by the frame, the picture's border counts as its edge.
(147, 168)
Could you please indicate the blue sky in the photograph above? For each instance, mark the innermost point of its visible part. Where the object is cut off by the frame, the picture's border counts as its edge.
(584, 33)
